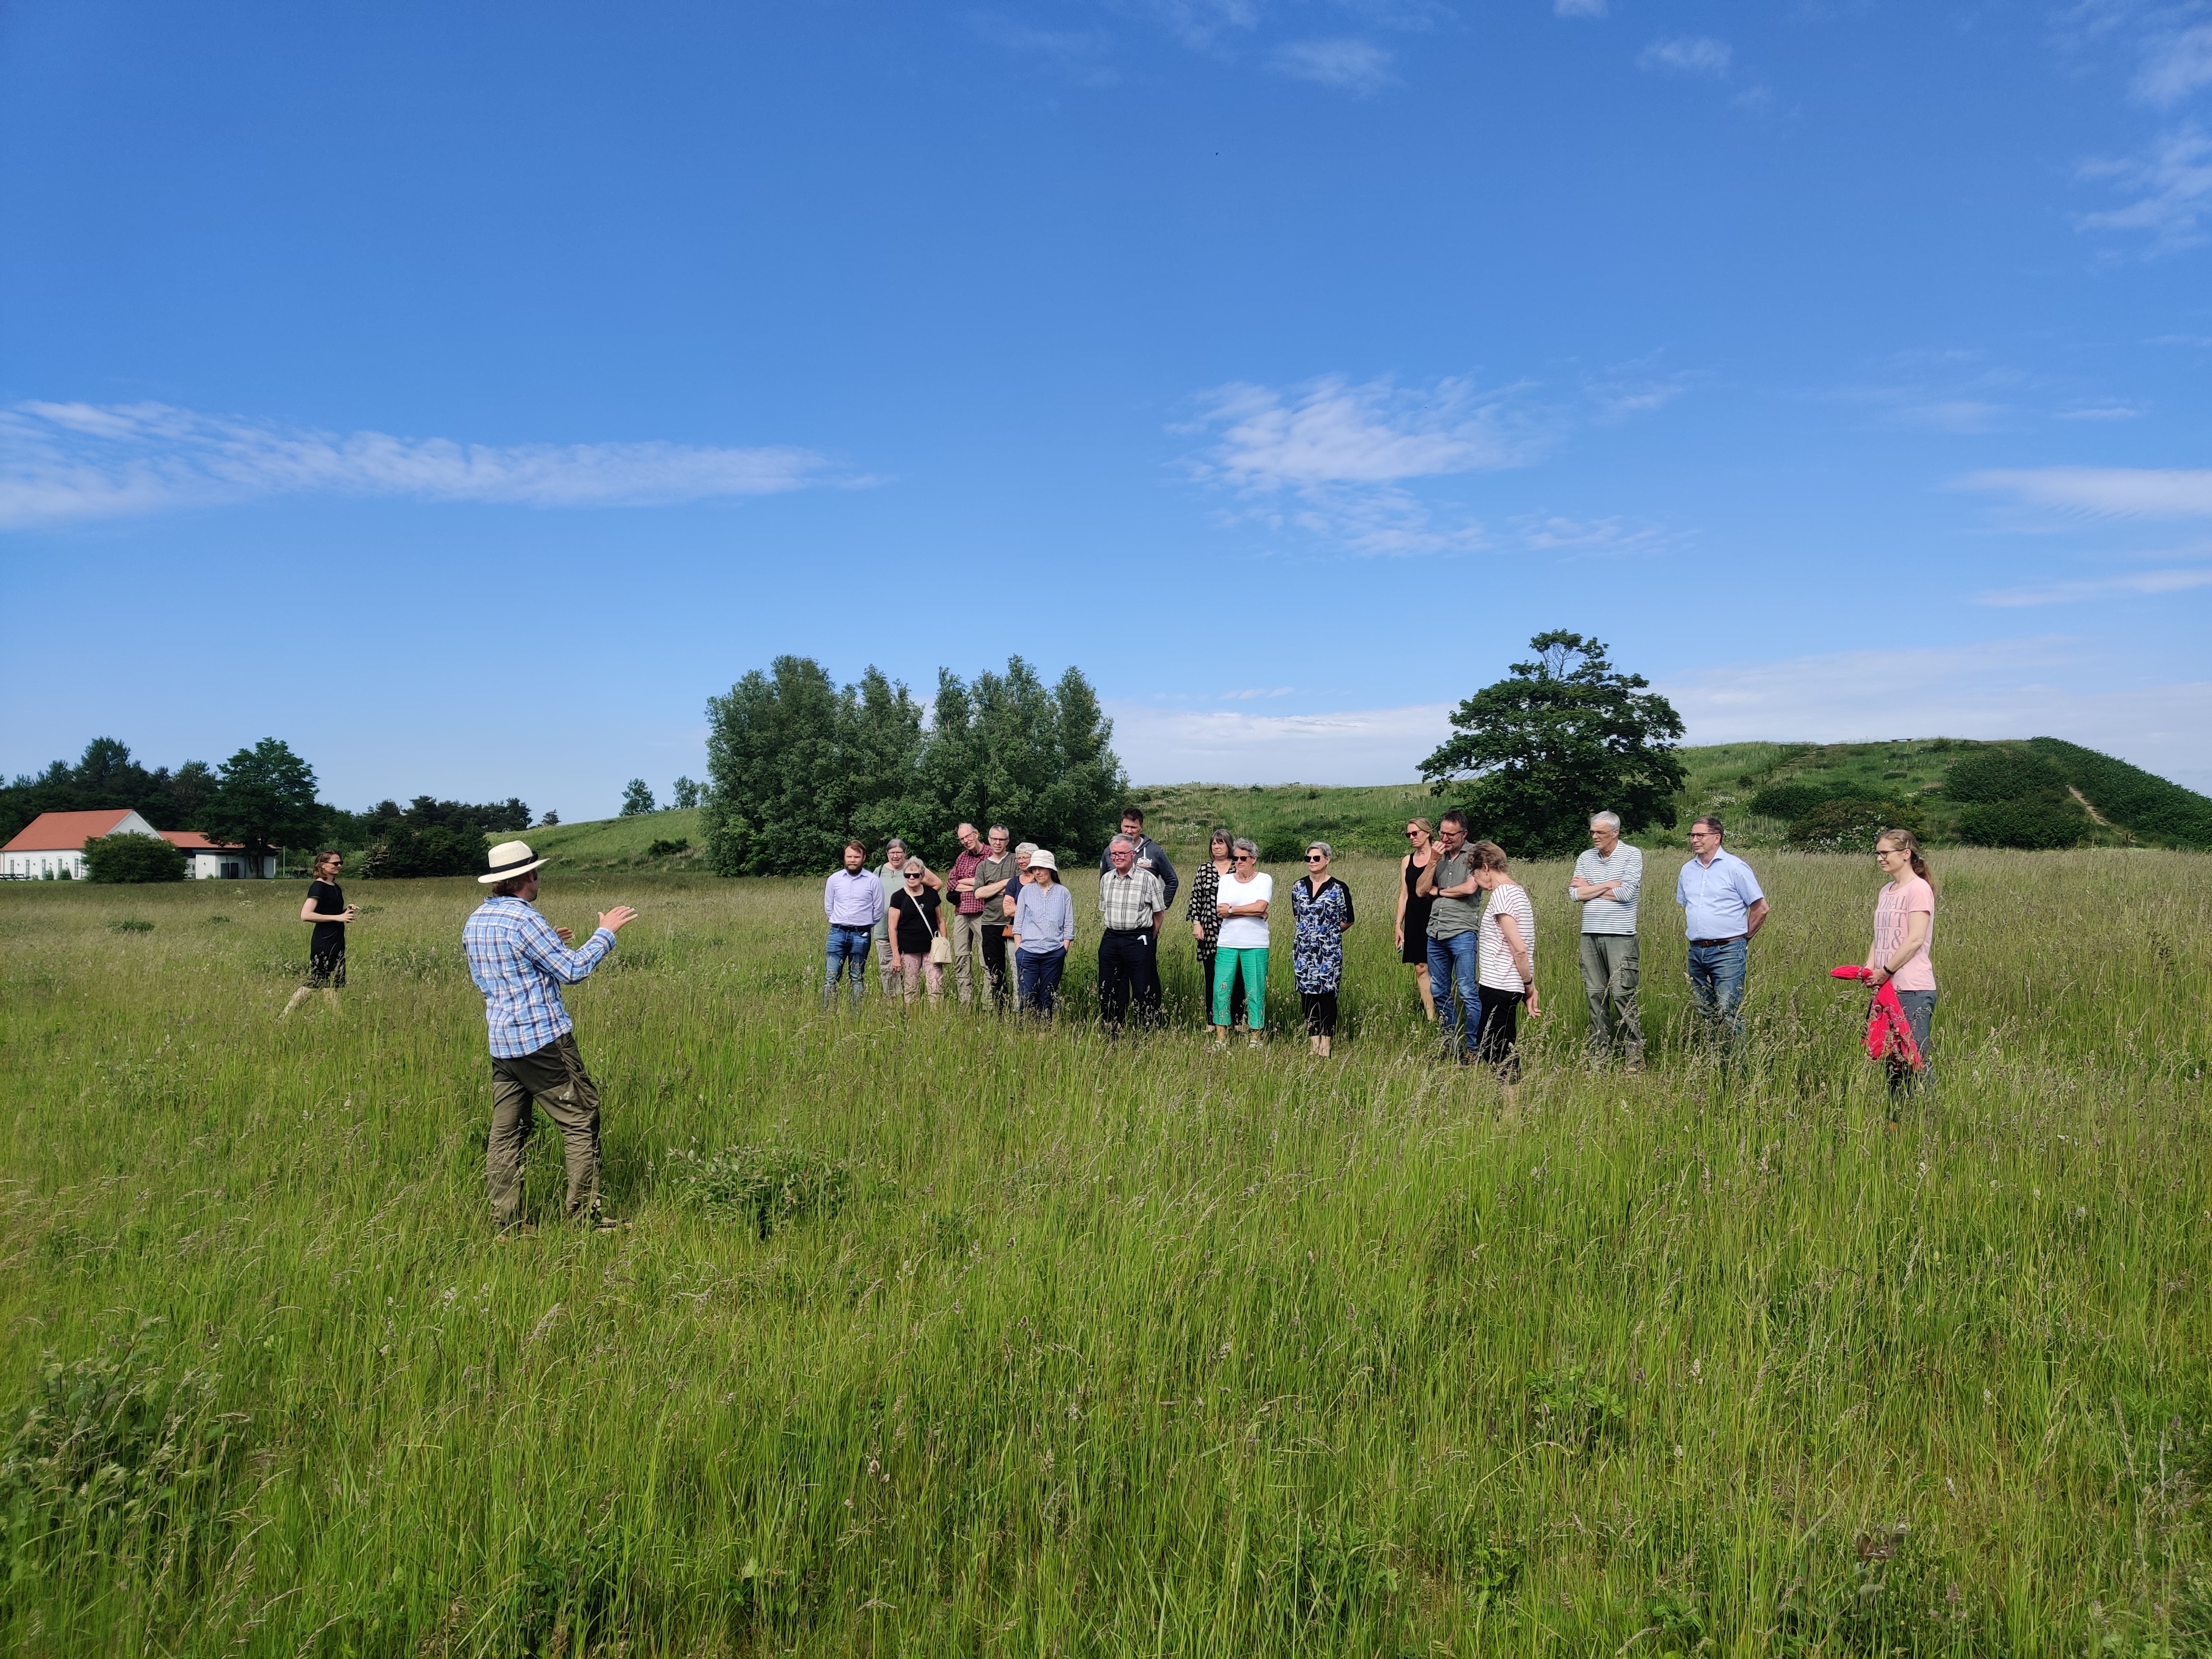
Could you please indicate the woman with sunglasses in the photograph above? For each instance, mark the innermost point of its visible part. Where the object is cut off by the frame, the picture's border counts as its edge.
(1413, 908)
(1205, 914)
(1243, 904)
(1323, 905)
(1903, 936)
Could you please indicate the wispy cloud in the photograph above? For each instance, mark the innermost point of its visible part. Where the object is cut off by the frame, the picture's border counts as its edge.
(1355, 66)
(1578, 7)
(2176, 63)
(2171, 185)
(1688, 55)
(1256, 692)
(2134, 584)
(1551, 533)
(1202, 24)
(1359, 745)
(2098, 412)
(1081, 52)
(2104, 491)
(72, 461)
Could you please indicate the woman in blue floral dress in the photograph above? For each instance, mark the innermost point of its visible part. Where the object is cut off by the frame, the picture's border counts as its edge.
(1323, 905)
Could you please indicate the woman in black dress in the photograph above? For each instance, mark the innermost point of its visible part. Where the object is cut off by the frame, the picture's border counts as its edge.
(326, 907)
(1413, 912)
(1205, 925)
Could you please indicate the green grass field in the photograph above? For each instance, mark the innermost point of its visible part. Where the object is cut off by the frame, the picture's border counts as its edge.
(936, 1335)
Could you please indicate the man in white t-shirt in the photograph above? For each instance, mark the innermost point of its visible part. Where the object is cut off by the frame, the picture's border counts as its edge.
(1242, 904)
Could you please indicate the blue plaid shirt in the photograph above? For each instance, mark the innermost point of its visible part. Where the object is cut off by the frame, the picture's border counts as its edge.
(520, 964)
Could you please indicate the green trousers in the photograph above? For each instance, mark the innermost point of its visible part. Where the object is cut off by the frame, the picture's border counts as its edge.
(1253, 965)
(554, 1077)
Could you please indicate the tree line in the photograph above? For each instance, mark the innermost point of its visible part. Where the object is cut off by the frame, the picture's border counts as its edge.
(796, 763)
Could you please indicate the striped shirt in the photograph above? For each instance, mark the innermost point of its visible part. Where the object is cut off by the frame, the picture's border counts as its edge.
(1494, 964)
(1610, 915)
(520, 964)
(1128, 904)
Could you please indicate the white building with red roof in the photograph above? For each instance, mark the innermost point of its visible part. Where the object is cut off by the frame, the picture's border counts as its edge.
(51, 847)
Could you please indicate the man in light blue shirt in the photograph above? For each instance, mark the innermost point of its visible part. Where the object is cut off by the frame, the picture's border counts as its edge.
(1605, 881)
(1723, 908)
(853, 900)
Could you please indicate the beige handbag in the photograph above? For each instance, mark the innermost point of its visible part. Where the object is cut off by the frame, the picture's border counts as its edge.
(940, 948)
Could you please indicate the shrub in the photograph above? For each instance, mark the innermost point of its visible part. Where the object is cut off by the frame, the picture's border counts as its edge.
(663, 848)
(1789, 801)
(1988, 776)
(2032, 824)
(1851, 826)
(770, 1187)
(2148, 805)
(132, 858)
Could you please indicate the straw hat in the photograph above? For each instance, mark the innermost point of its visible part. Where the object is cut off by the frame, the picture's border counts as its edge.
(510, 858)
(1042, 860)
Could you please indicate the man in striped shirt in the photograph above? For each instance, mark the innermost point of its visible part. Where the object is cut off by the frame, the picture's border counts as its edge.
(519, 961)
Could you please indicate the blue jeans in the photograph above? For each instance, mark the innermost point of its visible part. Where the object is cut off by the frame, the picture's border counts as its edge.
(1040, 972)
(1919, 1007)
(1453, 961)
(1718, 973)
(848, 955)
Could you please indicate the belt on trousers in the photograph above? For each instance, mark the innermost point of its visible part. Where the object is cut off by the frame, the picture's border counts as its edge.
(1730, 939)
(1126, 932)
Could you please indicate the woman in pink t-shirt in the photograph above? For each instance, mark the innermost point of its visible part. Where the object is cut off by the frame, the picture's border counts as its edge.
(1904, 934)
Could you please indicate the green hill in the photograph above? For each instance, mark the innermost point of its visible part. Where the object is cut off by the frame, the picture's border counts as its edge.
(2036, 792)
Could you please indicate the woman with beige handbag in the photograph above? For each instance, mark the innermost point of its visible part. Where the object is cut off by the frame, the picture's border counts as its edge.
(921, 945)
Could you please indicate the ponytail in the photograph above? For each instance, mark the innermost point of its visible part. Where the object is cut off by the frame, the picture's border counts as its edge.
(1908, 843)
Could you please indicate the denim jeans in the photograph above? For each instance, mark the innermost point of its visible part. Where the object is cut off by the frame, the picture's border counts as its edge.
(1453, 961)
(1040, 972)
(847, 954)
(1718, 973)
(1919, 1008)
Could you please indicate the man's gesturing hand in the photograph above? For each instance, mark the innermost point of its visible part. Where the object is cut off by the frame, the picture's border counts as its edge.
(614, 919)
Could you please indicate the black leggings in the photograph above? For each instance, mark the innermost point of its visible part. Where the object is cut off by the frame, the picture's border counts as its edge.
(1496, 1038)
(1320, 1013)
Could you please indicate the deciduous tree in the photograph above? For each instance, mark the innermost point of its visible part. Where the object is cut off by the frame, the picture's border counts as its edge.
(265, 798)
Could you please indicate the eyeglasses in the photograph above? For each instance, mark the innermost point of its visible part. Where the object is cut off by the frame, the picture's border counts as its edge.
(1704, 834)
(1315, 857)
(1247, 858)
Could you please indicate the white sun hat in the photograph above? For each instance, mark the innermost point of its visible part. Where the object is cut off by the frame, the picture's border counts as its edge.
(1042, 860)
(510, 858)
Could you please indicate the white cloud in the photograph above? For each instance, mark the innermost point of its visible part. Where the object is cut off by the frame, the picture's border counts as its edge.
(72, 461)
(1369, 745)
(2176, 65)
(2134, 585)
(2171, 183)
(2106, 491)
(2002, 689)
(1957, 415)
(1331, 432)
(1081, 52)
(1688, 55)
(2099, 412)
(1201, 24)
(1355, 66)
(1578, 7)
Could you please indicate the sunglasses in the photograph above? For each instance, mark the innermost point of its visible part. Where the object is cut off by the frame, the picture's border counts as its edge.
(1315, 857)
(1247, 858)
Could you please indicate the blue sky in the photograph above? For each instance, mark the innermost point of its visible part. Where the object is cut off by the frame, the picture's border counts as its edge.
(466, 394)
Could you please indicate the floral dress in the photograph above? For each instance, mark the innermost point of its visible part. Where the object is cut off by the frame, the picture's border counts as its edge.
(1317, 952)
(1204, 907)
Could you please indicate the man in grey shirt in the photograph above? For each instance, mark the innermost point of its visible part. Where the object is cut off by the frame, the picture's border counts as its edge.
(1454, 939)
(1605, 883)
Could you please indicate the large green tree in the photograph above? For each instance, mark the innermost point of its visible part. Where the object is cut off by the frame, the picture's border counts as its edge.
(1563, 736)
(107, 775)
(265, 798)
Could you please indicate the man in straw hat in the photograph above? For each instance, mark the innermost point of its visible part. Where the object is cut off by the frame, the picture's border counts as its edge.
(519, 961)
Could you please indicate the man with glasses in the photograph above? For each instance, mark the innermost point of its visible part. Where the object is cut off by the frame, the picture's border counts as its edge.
(1723, 907)
(1455, 938)
(967, 925)
(1152, 857)
(1131, 902)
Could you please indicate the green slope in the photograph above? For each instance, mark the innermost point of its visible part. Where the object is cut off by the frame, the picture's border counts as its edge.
(2129, 805)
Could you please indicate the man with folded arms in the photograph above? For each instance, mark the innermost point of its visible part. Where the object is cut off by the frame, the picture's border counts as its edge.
(1605, 881)
(1723, 908)
(520, 961)
(1130, 904)
(998, 882)
(968, 915)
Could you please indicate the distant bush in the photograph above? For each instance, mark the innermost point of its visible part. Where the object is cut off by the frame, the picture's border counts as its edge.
(1286, 844)
(1987, 776)
(132, 858)
(665, 848)
(1789, 801)
(2146, 804)
(2032, 824)
(1851, 826)
(404, 849)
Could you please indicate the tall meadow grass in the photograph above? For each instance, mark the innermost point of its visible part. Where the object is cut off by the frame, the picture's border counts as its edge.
(937, 1334)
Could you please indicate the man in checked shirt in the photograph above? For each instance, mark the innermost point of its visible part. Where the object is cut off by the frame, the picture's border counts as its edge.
(519, 961)
(1131, 901)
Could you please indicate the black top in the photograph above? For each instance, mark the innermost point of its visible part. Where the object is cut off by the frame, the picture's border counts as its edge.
(1418, 905)
(329, 900)
(916, 919)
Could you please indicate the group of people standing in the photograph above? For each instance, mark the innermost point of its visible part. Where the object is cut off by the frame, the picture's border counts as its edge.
(1464, 925)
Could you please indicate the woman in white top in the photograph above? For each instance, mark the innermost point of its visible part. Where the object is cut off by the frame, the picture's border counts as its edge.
(1242, 955)
(1505, 962)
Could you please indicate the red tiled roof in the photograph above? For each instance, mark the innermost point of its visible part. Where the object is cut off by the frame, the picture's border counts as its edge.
(64, 832)
(193, 841)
